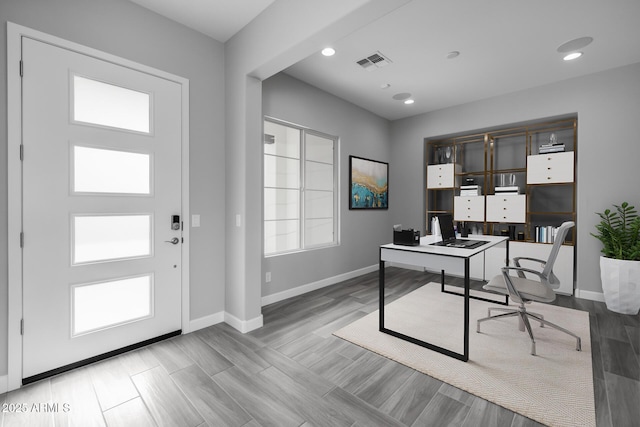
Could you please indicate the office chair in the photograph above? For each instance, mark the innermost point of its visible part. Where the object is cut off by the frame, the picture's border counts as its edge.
(523, 290)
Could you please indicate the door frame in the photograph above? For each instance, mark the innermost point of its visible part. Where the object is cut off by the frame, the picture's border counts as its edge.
(14, 191)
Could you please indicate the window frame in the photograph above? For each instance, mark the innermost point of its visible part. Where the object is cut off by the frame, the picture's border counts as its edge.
(301, 190)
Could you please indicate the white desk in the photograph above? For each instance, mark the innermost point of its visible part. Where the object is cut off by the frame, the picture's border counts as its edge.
(441, 258)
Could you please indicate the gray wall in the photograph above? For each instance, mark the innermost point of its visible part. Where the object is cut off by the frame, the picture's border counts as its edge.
(362, 134)
(122, 28)
(285, 33)
(608, 108)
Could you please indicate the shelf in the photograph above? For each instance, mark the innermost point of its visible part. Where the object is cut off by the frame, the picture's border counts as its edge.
(501, 157)
(552, 213)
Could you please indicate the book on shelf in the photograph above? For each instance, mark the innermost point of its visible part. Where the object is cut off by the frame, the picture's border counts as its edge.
(545, 233)
(550, 148)
(513, 189)
(470, 190)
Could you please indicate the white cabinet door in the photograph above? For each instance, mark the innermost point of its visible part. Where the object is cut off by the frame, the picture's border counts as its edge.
(468, 208)
(442, 176)
(510, 208)
(550, 168)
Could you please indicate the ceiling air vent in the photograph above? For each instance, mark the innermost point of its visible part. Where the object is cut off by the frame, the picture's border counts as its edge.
(377, 60)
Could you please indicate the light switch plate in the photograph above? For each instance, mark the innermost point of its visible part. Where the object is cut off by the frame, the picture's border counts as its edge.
(195, 220)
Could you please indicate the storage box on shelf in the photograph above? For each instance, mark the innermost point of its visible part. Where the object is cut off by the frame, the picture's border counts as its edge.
(550, 168)
(507, 209)
(443, 176)
(468, 209)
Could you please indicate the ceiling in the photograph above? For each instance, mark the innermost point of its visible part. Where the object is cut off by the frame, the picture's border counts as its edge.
(218, 19)
(505, 46)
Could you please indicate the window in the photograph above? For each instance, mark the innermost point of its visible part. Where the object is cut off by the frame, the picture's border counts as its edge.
(300, 182)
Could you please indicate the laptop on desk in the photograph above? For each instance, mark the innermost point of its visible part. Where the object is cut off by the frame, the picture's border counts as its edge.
(449, 235)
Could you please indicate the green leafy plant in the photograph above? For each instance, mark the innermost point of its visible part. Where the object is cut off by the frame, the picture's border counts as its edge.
(619, 232)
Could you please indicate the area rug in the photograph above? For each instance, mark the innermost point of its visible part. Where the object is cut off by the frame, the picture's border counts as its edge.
(555, 387)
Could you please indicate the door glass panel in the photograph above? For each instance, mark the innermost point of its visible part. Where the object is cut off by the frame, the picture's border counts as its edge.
(97, 306)
(110, 237)
(97, 170)
(109, 105)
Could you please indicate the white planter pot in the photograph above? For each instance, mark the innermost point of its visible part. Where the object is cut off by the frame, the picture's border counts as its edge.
(621, 284)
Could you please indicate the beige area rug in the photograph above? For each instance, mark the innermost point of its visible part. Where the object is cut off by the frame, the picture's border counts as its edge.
(554, 388)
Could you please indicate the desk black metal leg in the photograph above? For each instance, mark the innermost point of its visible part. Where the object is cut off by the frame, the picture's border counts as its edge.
(466, 309)
(381, 296)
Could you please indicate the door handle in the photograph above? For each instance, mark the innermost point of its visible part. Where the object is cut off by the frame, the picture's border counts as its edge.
(173, 241)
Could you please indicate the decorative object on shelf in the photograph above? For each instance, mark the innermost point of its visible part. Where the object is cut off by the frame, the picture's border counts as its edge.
(435, 226)
(619, 232)
(507, 184)
(368, 184)
(552, 147)
(463, 228)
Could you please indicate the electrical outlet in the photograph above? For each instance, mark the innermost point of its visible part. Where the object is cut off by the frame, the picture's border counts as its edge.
(267, 277)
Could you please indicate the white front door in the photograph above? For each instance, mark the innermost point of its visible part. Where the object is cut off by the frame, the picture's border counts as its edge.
(101, 207)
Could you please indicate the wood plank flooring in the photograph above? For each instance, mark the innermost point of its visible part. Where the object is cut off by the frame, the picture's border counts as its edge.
(293, 372)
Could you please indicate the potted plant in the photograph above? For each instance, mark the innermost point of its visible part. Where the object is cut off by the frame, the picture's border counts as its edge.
(619, 232)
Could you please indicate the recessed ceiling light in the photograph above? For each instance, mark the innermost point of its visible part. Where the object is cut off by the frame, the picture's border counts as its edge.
(401, 96)
(572, 55)
(409, 101)
(453, 54)
(575, 44)
(328, 51)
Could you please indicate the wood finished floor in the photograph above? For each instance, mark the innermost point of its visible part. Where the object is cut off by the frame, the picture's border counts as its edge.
(293, 372)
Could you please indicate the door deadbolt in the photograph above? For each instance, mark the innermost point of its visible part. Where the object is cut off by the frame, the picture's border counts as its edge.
(175, 222)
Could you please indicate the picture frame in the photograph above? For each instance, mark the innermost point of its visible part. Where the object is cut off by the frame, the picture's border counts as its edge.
(368, 184)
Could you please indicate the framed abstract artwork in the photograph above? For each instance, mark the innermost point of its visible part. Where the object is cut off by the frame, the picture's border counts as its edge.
(368, 184)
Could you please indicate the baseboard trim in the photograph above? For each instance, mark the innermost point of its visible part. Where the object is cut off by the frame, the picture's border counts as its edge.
(205, 321)
(243, 326)
(4, 384)
(303, 289)
(590, 295)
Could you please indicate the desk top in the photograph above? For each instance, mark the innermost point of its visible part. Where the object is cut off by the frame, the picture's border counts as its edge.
(427, 248)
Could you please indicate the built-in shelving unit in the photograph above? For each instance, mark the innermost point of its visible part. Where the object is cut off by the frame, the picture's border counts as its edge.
(526, 183)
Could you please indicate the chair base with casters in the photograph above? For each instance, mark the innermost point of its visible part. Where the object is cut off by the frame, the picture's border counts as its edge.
(524, 315)
(524, 290)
